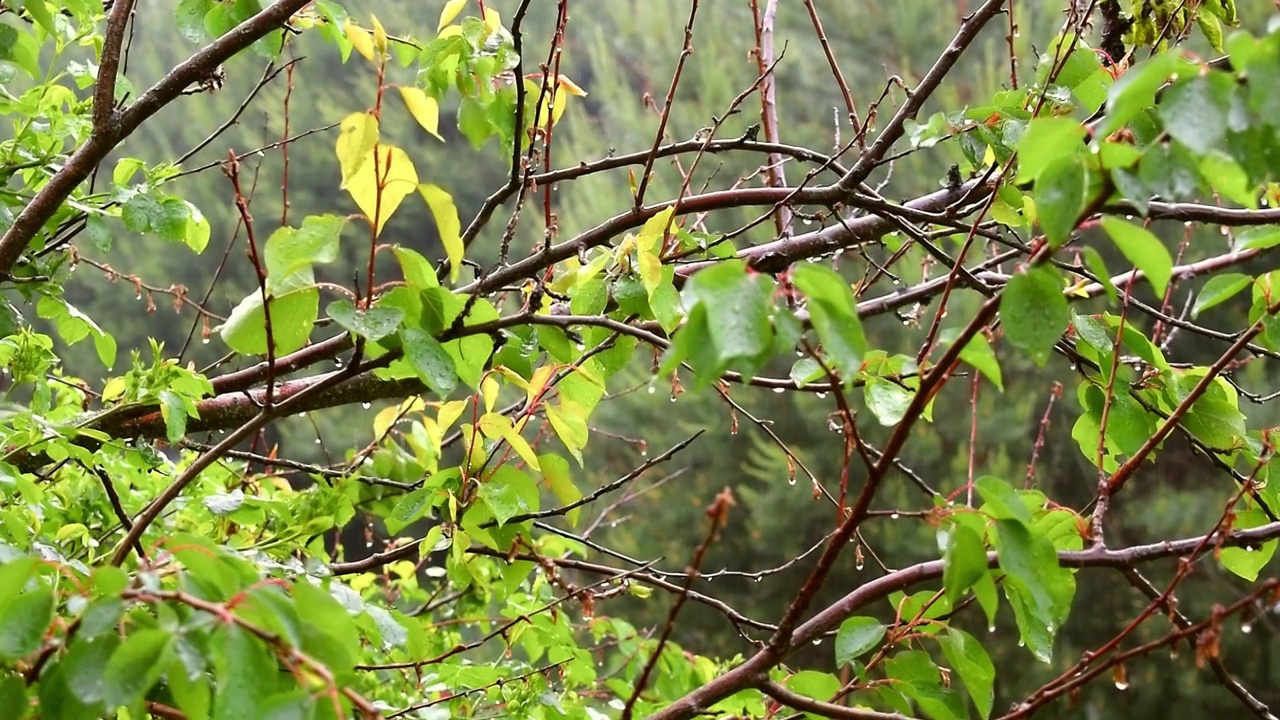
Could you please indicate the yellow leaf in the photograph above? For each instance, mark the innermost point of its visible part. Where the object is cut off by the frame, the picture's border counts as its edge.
(656, 226)
(356, 141)
(650, 272)
(513, 377)
(496, 426)
(447, 224)
(450, 412)
(539, 381)
(383, 421)
(387, 417)
(489, 389)
(569, 86)
(384, 179)
(360, 39)
(423, 108)
(473, 449)
(451, 10)
(449, 32)
(492, 21)
(114, 389)
(533, 91)
(379, 36)
(558, 107)
(649, 247)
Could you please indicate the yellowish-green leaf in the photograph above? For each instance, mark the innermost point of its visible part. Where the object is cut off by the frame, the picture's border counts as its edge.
(571, 87)
(649, 244)
(556, 471)
(538, 382)
(512, 377)
(450, 412)
(569, 420)
(495, 426)
(492, 21)
(379, 36)
(451, 10)
(384, 179)
(114, 389)
(447, 224)
(356, 141)
(387, 417)
(489, 389)
(423, 108)
(360, 39)
(40, 13)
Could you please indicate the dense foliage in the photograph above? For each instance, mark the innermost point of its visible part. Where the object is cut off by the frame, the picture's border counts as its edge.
(907, 274)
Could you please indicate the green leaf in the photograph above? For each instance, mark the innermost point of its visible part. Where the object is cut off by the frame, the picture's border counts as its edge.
(197, 231)
(372, 324)
(1229, 178)
(58, 702)
(1135, 91)
(1144, 250)
(1214, 418)
(1062, 192)
(728, 322)
(964, 561)
(471, 353)
(1034, 312)
(970, 660)
(171, 219)
(834, 314)
(23, 621)
(509, 492)
(921, 680)
(174, 412)
(289, 251)
(13, 694)
(1002, 501)
(1044, 142)
(135, 666)
(474, 122)
(978, 353)
(39, 12)
(85, 666)
(190, 19)
(1247, 562)
(1194, 111)
(1039, 589)
(325, 613)
(1211, 27)
(418, 272)
(1093, 260)
(97, 232)
(856, 637)
(887, 400)
(1258, 238)
(810, 683)
(293, 308)
(1218, 290)
(245, 671)
(138, 212)
(100, 617)
(410, 508)
(429, 360)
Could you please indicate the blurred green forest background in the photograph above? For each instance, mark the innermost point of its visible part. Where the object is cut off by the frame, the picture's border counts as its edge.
(621, 52)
